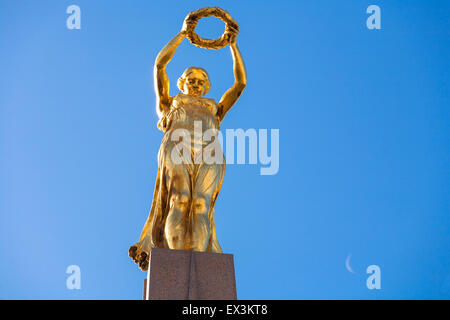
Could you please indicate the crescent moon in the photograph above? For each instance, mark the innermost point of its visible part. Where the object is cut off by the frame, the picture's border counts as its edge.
(347, 263)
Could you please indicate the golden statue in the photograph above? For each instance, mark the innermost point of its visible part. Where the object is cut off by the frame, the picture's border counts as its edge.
(182, 212)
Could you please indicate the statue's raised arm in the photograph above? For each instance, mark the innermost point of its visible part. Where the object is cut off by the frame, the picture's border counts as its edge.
(161, 80)
(240, 79)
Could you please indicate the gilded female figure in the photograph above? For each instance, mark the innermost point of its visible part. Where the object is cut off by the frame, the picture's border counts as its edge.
(182, 212)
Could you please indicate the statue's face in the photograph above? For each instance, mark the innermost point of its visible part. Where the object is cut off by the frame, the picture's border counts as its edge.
(195, 84)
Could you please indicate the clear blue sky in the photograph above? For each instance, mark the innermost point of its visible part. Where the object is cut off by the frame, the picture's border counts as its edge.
(364, 145)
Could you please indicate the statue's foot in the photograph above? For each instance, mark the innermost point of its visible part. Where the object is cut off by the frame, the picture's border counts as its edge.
(139, 256)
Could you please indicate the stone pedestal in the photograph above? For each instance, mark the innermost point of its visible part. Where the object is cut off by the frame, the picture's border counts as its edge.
(189, 275)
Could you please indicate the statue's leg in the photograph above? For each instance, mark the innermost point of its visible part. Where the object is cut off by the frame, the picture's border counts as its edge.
(206, 184)
(201, 228)
(177, 217)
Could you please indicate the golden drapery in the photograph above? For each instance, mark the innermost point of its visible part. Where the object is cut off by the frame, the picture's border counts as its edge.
(196, 185)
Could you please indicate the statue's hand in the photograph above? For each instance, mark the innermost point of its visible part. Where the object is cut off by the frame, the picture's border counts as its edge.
(187, 23)
(233, 35)
(184, 28)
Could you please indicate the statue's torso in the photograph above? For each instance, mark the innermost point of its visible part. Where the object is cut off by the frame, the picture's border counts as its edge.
(186, 110)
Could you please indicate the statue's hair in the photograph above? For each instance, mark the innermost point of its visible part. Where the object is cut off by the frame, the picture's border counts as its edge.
(189, 70)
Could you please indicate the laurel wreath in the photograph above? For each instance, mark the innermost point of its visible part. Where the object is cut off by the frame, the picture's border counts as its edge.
(193, 18)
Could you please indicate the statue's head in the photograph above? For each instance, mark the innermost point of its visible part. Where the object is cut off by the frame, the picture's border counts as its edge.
(194, 81)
